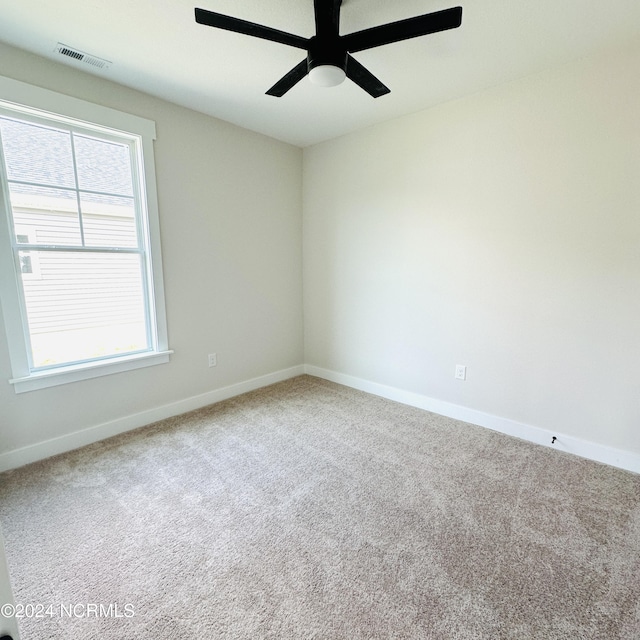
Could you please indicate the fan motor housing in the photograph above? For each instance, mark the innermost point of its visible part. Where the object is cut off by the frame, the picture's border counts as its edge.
(326, 52)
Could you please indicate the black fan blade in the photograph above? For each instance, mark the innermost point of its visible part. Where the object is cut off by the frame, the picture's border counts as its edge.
(289, 80)
(403, 29)
(327, 15)
(364, 78)
(220, 21)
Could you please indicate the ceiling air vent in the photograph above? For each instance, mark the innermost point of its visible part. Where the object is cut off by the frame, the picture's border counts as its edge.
(81, 56)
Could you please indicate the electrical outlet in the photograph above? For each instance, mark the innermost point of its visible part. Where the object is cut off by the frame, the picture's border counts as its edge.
(461, 372)
(213, 360)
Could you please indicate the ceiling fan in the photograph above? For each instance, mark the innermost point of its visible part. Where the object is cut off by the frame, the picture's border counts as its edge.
(329, 58)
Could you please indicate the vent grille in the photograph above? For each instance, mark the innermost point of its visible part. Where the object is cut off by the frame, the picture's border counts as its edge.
(81, 56)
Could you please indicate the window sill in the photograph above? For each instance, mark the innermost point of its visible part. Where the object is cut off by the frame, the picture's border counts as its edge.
(85, 371)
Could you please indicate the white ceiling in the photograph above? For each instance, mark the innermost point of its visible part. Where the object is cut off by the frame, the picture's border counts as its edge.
(157, 47)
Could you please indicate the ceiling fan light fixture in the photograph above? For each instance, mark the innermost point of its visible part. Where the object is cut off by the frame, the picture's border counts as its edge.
(327, 75)
(329, 60)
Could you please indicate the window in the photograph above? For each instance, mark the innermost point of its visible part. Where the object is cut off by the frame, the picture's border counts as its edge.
(84, 292)
(29, 264)
(26, 264)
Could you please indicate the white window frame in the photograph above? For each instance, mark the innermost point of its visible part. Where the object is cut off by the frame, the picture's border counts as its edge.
(27, 99)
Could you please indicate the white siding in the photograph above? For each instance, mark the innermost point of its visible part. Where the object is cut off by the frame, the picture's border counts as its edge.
(84, 289)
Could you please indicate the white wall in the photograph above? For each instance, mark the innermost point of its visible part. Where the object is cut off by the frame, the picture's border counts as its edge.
(501, 231)
(230, 203)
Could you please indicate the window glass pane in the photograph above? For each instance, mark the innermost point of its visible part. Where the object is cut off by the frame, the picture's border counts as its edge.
(103, 166)
(50, 214)
(34, 153)
(84, 306)
(108, 221)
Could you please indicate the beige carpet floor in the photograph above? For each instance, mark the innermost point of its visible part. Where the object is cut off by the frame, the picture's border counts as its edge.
(310, 510)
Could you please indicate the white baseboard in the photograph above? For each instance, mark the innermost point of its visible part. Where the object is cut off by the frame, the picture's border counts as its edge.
(570, 444)
(77, 439)
(590, 450)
